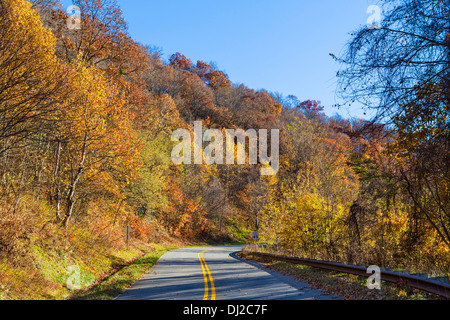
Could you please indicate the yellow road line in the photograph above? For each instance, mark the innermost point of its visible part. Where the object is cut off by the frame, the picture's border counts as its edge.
(207, 275)
(205, 279)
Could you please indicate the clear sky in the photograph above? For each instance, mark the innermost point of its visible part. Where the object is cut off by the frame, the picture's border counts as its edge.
(278, 45)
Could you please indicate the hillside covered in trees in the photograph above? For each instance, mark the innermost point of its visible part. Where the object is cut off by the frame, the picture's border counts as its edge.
(86, 118)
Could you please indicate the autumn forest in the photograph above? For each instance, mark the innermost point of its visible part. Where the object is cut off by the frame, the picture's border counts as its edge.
(87, 115)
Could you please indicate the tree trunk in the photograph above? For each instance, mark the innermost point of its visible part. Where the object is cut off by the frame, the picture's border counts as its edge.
(71, 195)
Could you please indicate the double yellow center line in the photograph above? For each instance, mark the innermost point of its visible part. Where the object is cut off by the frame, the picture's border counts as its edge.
(206, 276)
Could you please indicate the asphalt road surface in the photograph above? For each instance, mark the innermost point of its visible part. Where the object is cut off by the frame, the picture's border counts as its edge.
(214, 273)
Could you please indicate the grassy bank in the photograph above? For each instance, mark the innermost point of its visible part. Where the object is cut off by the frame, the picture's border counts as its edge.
(60, 264)
(122, 277)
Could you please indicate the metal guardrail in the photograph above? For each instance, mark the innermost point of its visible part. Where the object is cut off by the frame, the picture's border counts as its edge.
(413, 281)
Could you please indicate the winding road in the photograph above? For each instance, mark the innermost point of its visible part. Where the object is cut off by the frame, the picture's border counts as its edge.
(215, 273)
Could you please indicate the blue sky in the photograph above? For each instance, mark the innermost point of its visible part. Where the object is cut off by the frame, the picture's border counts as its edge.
(278, 45)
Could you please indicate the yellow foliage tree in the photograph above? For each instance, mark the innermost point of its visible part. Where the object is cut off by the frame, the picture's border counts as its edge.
(31, 78)
(97, 147)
